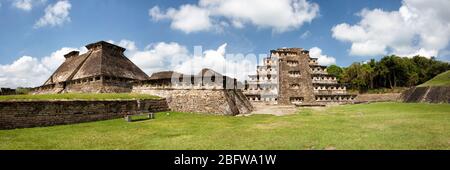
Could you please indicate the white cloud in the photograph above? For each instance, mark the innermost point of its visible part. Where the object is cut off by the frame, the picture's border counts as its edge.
(29, 71)
(159, 57)
(322, 59)
(418, 27)
(279, 15)
(55, 15)
(156, 57)
(23, 4)
(233, 65)
(26, 5)
(56, 58)
(305, 35)
(26, 71)
(163, 56)
(189, 18)
(367, 48)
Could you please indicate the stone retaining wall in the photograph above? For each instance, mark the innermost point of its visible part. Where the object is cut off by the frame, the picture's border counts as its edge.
(217, 101)
(427, 94)
(384, 97)
(23, 114)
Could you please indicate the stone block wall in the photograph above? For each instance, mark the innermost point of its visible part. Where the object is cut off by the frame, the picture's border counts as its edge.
(304, 89)
(216, 101)
(385, 97)
(99, 87)
(427, 94)
(23, 114)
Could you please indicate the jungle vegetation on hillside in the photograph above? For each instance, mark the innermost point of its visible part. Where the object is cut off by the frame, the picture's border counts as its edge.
(390, 72)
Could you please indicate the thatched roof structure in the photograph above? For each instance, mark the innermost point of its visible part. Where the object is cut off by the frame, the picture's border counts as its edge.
(102, 59)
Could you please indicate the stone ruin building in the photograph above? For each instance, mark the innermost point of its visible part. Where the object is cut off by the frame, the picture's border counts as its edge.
(291, 76)
(288, 76)
(207, 91)
(105, 69)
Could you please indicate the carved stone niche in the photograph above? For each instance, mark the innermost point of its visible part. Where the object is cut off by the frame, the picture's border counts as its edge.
(294, 86)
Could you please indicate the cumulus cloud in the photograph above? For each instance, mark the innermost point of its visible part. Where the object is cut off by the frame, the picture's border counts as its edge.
(305, 35)
(26, 5)
(26, 71)
(233, 65)
(418, 27)
(56, 58)
(163, 56)
(189, 18)
(55, 15)
(30, 71)
(279, 15)
(322, 59)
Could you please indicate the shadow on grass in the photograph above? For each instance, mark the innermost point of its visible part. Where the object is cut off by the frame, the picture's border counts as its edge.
(140, 118)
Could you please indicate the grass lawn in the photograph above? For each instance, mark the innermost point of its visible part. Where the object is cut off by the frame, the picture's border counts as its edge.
(362, 126)
(442, 79)
(80, 96)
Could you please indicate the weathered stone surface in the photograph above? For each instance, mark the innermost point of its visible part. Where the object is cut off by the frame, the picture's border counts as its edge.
(22, 114)
(291, 76)
(206, 92)
(440, 94)
(304, 91)
(217, 101)
(385, 97)
(103, 69)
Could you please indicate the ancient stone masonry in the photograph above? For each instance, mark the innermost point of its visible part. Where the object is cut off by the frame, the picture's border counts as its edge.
(206, 92)
(264, 85)
(103, 69)
(431, 94)
(23, 114)
(383, 97)
(290, 76)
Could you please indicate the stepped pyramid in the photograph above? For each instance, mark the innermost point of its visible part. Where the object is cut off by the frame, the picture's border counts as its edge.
(291, 76)
(103, 69)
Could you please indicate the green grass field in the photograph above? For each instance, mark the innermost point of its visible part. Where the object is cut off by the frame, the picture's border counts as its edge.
(362, 126)
(442, 79)
(78, 96)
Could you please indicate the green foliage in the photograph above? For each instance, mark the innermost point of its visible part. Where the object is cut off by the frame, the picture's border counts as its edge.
(80, 96)
(382, 90)
(361, 126)
(335, 71)
(22, 90)
(391, 72)
(442, 79)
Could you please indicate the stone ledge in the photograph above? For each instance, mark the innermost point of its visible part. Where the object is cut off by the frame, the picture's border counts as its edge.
(23, 114)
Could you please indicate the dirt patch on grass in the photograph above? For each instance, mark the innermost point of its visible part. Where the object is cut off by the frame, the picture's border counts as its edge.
(277, 110)
(385, 97)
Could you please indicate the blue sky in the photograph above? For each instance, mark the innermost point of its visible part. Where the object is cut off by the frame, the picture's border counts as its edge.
(89, 21)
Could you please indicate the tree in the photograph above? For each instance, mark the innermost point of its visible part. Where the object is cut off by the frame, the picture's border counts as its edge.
(335, 70)
(390, 72)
